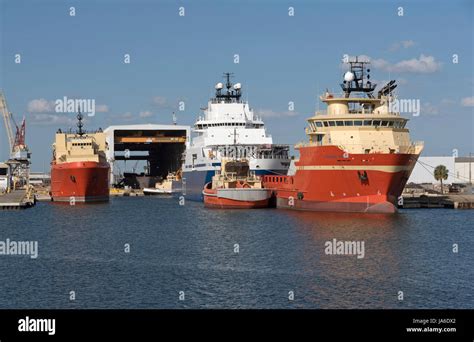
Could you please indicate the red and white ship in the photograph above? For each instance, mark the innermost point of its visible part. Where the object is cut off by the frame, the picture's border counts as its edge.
(359, 156)
(236, 187)
(79, 169)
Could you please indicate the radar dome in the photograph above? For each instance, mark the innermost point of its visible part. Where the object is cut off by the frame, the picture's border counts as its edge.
(348, 76)
(219, 86)
(237, 86)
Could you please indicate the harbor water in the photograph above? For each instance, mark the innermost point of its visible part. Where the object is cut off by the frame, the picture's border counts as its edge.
(151, 252)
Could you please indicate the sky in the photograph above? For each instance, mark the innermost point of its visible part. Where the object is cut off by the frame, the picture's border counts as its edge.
(281, 59)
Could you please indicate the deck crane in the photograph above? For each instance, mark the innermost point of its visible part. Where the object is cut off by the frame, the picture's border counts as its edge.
(19, 154)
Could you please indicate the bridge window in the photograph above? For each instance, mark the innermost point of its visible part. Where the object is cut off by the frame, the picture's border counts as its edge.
(384, 123)
(367, 122)
(376, 122)
(349, 123)
(340, 123)
(319, 139)
(390, 123)
(332, 123)
(319, 124)
(358, 123)
(326, 124)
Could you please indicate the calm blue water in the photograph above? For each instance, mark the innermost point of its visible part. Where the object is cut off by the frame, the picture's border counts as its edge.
(189, 248)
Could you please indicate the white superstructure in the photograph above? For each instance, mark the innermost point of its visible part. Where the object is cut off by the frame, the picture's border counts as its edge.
(229, 128)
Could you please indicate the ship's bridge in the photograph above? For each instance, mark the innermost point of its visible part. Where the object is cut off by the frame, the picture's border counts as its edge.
(228, 111)
(357, 121)
(359, 125)
(202, 125)
(227, 115)
(356, 105)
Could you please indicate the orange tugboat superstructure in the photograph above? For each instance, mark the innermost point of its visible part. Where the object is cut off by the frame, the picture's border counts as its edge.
(236, 187)
(79, 170)
(359, 156)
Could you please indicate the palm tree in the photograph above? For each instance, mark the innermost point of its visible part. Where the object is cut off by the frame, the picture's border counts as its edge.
(440, 173)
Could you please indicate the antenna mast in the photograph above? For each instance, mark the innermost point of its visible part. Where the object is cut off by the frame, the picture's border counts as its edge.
(80, 132)
(355, 79)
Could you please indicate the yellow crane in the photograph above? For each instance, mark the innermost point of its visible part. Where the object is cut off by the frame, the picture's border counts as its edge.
(7, 119)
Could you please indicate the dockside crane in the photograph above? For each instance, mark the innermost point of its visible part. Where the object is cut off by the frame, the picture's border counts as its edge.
(19, 154)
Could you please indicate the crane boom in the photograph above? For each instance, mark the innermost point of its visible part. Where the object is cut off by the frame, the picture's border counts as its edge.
(7, 120)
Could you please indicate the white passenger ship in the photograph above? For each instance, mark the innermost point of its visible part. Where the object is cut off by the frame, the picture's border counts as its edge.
(229, 129)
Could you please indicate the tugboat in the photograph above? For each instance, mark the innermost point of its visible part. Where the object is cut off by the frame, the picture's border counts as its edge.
(359, 156)
(79, 169)
(236, 187)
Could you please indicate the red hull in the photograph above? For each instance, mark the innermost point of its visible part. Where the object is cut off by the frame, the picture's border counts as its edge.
(80, 181)
(211, 200)
(327, 180)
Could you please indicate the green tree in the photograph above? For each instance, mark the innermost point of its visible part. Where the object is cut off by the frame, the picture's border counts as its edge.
(440, 174)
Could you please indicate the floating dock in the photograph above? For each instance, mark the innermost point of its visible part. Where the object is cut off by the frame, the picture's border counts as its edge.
(458, 201)
(16, 199)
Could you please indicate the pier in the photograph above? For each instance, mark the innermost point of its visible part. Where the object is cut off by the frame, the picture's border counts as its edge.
(126, 192)
(17, 199)
(452, 201)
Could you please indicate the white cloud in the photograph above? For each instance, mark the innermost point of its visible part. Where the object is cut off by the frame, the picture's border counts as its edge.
(468, 101)
(405, 44)
(145, 114)
(52, 119)
(126, 116)
(101, 108)
(268, 113)
(41, 106)
(160, 100)
(428, 108)
(446, 102)
(423, 64)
